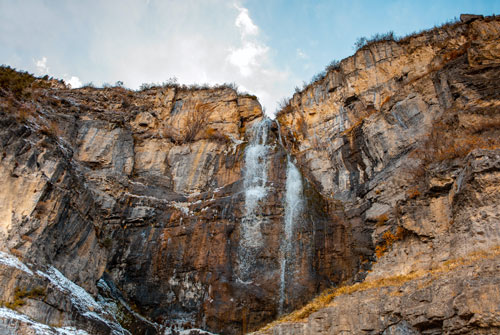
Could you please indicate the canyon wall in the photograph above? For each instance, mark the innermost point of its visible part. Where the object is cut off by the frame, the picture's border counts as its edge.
(165, 206)
(176, 210)
(406, 134)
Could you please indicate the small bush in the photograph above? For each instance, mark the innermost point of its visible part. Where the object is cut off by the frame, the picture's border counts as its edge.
(363, 41)
(146, 86)
(413, 193)
(195, 121)
(17, 82)
(334, 65)
(21, 294)
(382, 219)
(248, 95)
(284, 106)
(317, 77)
(388, 240)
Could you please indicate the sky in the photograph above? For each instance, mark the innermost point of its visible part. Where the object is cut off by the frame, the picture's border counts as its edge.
(266, 47)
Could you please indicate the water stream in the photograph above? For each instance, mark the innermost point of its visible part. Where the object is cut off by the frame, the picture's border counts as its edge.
(255, 177)
(254, 183)
(293, 209)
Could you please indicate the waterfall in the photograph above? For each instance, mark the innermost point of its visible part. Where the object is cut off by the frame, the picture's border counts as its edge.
(293, 209)
(254, 184)
(256, 190)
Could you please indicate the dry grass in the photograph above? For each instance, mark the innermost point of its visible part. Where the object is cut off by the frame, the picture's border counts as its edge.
(386, 100)
(212, 134)
(20, 296)
(52, 128)
(388, 240)
(17, 82)
(25, 111)
(327, 298)
(413, 193)
(382, 219)
(16, 253)
(449, 140)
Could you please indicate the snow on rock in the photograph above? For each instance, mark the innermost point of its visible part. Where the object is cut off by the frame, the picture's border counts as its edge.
(190, 331)
(11, 322)
(11, 261)
(82, 300)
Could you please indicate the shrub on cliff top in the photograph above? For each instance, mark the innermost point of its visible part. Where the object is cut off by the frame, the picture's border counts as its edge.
(363, 41)
(334, 65)
(15, 81)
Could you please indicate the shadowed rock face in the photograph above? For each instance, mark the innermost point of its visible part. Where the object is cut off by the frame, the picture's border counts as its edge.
(171, 208)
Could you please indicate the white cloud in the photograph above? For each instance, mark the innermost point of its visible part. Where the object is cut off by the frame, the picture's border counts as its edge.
(104, 41)
(248, 57)
(74, 82)
(41, 66)
(251, 58)
(245, 23)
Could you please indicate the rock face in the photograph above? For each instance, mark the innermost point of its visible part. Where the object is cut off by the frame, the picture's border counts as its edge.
(166, 206)
(173, 209)
(406, 135)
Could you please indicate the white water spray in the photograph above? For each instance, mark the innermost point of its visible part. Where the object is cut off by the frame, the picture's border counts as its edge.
(254, 183)
(293, 210)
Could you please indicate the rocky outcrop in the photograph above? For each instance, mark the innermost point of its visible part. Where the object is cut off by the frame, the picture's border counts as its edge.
(176, 210)
(142, 199)
(405, 134)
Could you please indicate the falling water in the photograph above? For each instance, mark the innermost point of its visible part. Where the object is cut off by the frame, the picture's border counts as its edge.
(254, 183)
(293, 209)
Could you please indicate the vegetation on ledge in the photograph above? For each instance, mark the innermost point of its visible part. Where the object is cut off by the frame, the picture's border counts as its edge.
(327, 298)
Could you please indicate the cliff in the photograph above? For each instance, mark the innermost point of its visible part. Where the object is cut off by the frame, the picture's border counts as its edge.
(183, 210)
(165, 206)
(406, 134)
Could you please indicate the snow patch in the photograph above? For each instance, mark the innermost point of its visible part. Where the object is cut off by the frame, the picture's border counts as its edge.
(11, 261)
(38, 328)
(82, 300)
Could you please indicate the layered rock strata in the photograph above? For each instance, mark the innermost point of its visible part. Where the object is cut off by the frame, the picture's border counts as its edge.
(406, 135)
(141, 199)
(169, 209)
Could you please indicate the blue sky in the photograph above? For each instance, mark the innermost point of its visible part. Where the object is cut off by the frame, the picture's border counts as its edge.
(267, 47)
